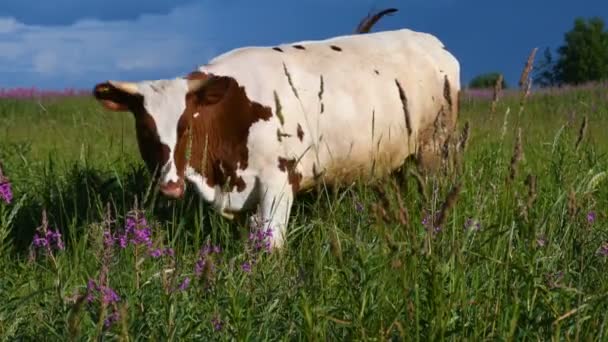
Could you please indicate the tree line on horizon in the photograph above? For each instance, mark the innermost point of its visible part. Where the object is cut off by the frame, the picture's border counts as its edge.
(582, 58)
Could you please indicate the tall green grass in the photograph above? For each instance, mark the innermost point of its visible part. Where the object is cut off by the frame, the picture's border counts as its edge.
(512, 259)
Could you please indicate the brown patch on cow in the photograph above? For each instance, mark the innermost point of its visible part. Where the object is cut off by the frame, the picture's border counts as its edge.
(220, 132)
(300, 132)
(294, 177)
(446, 93)
(406, 111)
(277, 49)
(299, 47)
(335, 48)
(153, 152)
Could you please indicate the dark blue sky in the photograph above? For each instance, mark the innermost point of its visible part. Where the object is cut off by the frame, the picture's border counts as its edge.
(76, 43)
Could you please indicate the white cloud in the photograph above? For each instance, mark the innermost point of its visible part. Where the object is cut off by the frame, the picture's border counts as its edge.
(150, 43)
(8, 25)
(162, 46)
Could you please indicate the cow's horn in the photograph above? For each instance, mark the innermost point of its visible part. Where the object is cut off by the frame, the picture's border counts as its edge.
(127, 87)
(194, 85)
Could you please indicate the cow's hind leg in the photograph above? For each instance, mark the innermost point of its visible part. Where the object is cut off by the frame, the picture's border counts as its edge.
(276, 199)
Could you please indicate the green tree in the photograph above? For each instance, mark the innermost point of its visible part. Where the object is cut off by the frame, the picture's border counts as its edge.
(584, 55)
(544, 71)
(487, 80)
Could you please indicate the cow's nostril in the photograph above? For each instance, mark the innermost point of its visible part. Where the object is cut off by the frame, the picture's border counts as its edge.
(172, 189)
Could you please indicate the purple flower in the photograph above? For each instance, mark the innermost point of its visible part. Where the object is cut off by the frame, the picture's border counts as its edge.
(541, 240)
(123, 241)
(591, 217)
(260, 239)
(40, 241)
(141, 236)
(109, 296)
(137, 230)
(6, 193)
(217, 323)
(22, 93)
(108, 239)
(56, 237)
(156, 253)
(246, 267)
(47, 238)
(472, 225)
(111, 319)
(184, 285)
(427, 222)
(202, 261)
(603, 251)
(91, 288)
(359, 207)
(199, 267)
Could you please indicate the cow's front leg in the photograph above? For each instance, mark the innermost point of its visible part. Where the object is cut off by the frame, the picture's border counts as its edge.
(276, 199)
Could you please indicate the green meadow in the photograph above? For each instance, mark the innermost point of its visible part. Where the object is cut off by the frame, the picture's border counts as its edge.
(508, 241)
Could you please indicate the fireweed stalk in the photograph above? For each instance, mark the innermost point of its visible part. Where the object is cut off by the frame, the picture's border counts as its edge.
(99, 290)
(166, 258)
(257, 244)
(206, 264)
(138, 233)
(6, 215)
(47, 240)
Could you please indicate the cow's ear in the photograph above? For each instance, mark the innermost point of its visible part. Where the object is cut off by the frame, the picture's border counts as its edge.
(115, 96)
(211, 90)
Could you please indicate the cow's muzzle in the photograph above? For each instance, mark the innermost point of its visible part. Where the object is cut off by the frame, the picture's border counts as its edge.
(174, 190)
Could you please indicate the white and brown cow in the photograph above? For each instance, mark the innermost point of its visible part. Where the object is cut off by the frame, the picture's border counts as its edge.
(257, 125)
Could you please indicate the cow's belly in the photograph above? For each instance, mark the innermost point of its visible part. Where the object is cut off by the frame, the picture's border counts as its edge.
(354, 140)
(351, 154)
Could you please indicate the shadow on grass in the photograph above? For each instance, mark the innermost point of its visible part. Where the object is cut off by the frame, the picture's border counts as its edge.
(77, 195)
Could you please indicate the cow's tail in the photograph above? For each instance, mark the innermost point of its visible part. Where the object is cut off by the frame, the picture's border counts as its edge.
(366, 24)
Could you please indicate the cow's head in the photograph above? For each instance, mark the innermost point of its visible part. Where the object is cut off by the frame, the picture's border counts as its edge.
(162, 110)
(192, 121)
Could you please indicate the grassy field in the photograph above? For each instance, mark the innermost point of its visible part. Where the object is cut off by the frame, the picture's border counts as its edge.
(510, 242)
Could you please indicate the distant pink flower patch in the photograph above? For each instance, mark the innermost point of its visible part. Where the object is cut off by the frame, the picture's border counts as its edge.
(33, 92)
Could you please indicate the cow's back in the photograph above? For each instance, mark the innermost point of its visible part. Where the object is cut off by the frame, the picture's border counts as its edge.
(348, 105)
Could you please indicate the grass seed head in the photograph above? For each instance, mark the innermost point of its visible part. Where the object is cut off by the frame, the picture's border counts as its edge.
(581, 133)
(448, 204)
(516, 157)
